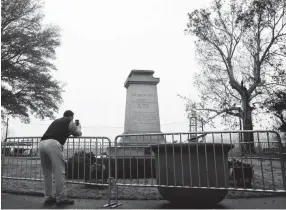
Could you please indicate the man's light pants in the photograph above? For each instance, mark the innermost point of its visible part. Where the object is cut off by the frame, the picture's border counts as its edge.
(53, 163)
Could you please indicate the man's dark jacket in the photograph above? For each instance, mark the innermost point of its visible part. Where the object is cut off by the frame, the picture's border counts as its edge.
(58, 130)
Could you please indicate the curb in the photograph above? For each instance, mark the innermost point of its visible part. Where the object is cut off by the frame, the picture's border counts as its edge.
(30, 193)
(41, 194)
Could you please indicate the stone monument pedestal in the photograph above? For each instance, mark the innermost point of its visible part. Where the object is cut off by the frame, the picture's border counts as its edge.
(129, 151)
(141, 116)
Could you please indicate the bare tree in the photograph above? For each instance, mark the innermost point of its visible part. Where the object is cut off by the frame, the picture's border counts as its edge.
(241, 48)
(276, 104)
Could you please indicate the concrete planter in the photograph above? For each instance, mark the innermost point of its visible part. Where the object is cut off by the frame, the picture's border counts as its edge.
(192, 164)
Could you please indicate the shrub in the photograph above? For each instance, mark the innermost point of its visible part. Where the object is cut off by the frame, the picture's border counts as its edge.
(85, 166)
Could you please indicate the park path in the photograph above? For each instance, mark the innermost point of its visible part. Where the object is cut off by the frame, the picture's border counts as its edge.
(10, 201)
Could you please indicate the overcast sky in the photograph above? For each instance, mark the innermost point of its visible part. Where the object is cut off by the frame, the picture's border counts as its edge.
(102, 41)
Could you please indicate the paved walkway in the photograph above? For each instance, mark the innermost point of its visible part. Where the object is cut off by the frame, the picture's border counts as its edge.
(9, 201)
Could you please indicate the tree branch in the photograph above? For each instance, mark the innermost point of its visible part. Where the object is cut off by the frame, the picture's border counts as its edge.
(219, 112)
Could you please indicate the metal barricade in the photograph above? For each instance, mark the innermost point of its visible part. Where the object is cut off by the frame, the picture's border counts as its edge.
(85, 162)
(20, 159)
(218, 160)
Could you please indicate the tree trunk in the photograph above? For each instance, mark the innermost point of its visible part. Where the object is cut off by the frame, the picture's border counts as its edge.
(248, 137)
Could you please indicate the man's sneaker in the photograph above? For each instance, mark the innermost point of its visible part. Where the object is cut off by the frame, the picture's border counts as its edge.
(65, 202)
(50, 201)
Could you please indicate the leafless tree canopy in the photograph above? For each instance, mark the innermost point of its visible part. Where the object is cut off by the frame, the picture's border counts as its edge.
(241, 48)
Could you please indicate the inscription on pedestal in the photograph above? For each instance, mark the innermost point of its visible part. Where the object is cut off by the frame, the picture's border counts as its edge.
(142, 103)
(141, 118)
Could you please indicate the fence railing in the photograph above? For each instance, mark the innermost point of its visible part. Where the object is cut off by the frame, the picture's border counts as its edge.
(219, 162)
(84, 157)
(201, 160)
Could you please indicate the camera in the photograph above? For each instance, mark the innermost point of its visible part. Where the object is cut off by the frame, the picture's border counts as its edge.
(76, 122)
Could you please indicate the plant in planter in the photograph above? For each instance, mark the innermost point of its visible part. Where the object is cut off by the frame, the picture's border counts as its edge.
(240, 173)
(85, 166)
(98, 172)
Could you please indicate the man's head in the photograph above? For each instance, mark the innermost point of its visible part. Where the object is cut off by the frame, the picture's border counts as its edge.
(69, 114)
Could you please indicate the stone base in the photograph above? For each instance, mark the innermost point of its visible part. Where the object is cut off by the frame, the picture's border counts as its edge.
(139, 140)
(133, 168)
(130, 151)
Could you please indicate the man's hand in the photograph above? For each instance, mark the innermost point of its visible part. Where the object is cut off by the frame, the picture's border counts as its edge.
(78, 126)
(75, 130)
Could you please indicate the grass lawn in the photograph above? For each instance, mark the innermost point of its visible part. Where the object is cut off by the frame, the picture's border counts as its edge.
(26, 168)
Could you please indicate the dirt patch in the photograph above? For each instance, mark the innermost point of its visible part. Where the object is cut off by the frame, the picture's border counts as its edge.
(88, 192)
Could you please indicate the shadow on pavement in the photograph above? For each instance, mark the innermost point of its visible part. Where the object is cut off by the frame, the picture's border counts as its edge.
(188, 206)
(54, 206)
